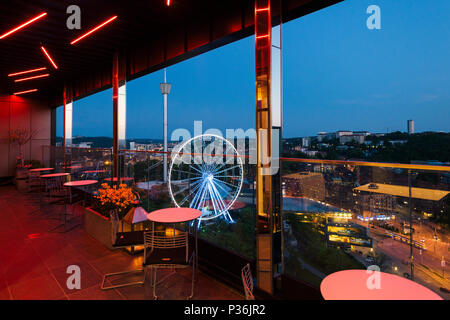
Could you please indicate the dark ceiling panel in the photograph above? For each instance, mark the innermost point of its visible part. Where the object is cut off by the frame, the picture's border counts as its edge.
(150, 33)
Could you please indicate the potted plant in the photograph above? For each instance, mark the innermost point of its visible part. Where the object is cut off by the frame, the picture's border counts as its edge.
(106, 199)
(21, 136)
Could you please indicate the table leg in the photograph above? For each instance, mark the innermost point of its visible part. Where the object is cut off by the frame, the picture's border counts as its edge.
(65, 223)
(196, 249)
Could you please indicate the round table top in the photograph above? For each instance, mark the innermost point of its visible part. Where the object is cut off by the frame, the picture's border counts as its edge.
(372, 285)
(54, 175)
(95, 171)
(41, 169)
(80, 183)
(121, 179)
(174, 215)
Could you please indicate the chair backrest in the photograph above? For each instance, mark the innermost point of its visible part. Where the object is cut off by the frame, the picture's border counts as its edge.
(247, 281)
(55, 185)
(159, 240)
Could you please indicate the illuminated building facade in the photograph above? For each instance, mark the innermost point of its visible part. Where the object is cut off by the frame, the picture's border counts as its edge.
(305, 184)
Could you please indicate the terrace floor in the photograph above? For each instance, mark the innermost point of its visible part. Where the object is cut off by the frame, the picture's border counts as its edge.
(33, 261)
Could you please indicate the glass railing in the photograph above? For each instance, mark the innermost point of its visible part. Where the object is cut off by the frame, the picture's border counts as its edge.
(340, 215)
(337, 215)
(81, 163)
(233, 231)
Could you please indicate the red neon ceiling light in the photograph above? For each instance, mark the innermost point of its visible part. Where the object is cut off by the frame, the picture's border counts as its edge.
(93, 30)
(33, 77)
(26, 71)
(24, 92)
(49, 57)
(23, 25)
(168, 2)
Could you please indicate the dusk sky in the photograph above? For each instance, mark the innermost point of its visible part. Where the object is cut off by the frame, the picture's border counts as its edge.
(338, 74)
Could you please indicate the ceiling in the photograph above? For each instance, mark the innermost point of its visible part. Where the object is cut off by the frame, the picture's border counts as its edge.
(149, 33)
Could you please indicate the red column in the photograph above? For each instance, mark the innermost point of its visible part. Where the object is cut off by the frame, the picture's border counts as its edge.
(264, 241)
(115, 86)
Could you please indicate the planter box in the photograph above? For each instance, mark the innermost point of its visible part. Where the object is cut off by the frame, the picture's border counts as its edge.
(21, 179)
(98, 227)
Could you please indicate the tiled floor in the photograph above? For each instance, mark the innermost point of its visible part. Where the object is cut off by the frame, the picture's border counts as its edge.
(33, 261)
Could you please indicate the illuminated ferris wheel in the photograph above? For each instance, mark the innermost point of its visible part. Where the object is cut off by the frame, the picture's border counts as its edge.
(206, 173)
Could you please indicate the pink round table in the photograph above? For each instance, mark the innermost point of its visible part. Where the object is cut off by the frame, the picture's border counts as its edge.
(371, 285)
(54, 175)
(41, 169)
(80, 183)
(174, 215)
(95, 171)
(177, 215)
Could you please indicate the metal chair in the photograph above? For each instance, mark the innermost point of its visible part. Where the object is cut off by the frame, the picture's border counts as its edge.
(35, 187)
(247, 281)
(162, 251)
(35, 182)
(55, 194)
(123, 240)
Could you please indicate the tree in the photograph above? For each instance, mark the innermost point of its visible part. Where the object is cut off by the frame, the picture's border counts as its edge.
(21, 136)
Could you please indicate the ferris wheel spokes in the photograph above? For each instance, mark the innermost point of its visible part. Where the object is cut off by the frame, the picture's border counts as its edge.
(211, 182)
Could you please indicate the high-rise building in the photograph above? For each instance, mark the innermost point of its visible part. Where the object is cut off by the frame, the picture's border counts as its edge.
(306, 142)
(410, 125)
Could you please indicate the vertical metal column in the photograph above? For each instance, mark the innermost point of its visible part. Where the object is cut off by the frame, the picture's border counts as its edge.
(276, 101)
(119, 108)
(64, 120)
(67, 122)
(410, 208)
(115, 87)
(165, 90)
(264, 241)
(122, 113)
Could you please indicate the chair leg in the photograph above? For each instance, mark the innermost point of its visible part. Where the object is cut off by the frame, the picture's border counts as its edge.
(155, 297)
(103, 287)
(193, 277)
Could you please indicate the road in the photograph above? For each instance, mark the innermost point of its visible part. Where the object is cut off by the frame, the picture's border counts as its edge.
(427, 267)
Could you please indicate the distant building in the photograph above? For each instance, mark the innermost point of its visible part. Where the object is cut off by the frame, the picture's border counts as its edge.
(321, 136)
(144, 147)
(311, 153)
(299, 148)
(132, 145)
(82, 145)
(305, 184)
(306, 142)
(342, 133)
(410, 125)
(364, 133)
(359, 138)
(378, 135)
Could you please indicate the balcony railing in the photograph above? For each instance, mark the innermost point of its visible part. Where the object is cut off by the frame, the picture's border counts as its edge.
(336, 215)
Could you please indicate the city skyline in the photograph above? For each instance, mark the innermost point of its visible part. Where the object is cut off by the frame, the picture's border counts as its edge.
(337, 75)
